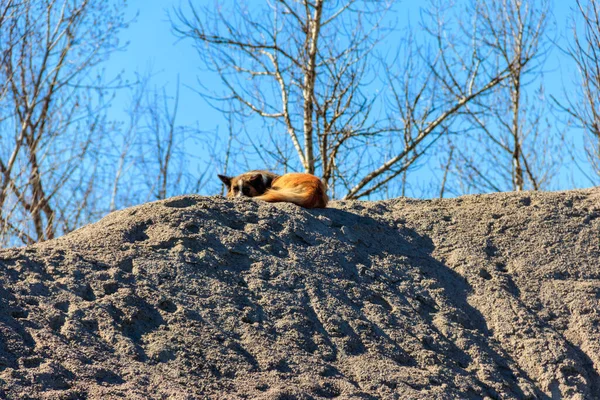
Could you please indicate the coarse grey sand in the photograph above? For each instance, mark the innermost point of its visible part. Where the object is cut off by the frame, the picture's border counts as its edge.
(486, 296)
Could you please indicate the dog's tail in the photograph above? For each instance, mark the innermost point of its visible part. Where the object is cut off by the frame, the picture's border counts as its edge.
(311, 194)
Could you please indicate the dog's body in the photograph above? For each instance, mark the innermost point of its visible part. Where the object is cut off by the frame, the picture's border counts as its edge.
(305, 190)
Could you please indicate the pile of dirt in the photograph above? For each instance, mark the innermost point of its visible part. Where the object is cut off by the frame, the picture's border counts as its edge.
(494, 296)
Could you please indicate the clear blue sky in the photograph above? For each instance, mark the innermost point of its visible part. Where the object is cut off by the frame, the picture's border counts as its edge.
(154, 47)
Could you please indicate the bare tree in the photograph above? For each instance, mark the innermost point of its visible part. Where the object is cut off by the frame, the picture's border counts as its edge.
(163, 162)
(310, 67)
(509, 143)
(583, 106)
(149, 155)
(301, 64)
(431, 88)
(49, 125)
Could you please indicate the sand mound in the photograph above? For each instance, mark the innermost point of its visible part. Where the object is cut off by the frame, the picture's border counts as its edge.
(195, 297)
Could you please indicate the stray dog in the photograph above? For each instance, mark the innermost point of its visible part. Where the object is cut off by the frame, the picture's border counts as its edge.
(305, 190)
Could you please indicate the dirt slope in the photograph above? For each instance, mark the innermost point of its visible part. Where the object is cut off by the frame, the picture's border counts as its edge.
(494, 296)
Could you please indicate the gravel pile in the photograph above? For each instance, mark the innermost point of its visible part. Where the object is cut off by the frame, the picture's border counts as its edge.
(494, 296)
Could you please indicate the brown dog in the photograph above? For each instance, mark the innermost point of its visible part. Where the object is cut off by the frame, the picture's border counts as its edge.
(305, 190)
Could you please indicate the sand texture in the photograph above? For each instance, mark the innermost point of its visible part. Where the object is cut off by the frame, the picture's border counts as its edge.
(492, 296)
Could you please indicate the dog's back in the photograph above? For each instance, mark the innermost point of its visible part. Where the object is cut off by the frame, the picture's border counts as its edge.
(305, 190)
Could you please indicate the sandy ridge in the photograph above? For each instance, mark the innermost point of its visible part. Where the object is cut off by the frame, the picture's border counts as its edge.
(494, 296)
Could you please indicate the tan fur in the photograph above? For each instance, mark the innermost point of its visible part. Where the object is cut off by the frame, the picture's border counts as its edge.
(305, 190)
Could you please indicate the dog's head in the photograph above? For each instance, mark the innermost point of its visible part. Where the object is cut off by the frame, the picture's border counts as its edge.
(250, 184)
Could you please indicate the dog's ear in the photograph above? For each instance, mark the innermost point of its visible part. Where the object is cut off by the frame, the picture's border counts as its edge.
(225, 179)
(267, 180)
(255, 179)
